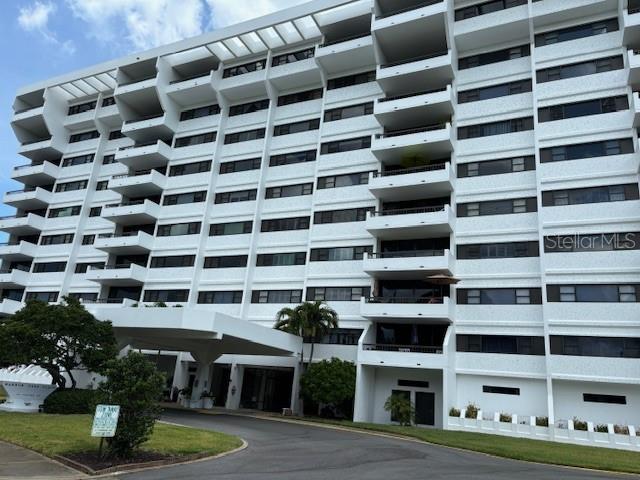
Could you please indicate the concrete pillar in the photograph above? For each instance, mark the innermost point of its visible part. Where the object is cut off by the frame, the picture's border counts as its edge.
(235, 387)
(205, 361)
(295, 404)
(365, 383)
(180, 372)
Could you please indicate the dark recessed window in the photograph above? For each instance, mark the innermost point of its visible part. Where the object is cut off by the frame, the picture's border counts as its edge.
(573, 33)
(56, 239)
(347, 145)
(176, 229)
(276, 296)
(220, 297)
(579, 196)
(598, 106)
(182, 198)
(611, 347)
(413, 383)
(200, 112)
(108, 159)
(337, 294)
(64, 212)
(497, 167)
(88, 239)
(494, 91)
(83, 267)
(195, 139)
(242, 69)
(342, 216)
(228, 261)
(299, 97)
(49, 267)
(339, 254)
(49, 297)
(102, 185)
(345, 180)
(81, 137)
(496, 128)
(497, 250)
(82, 107)
(292, 158)
(580, 69)
(190, 168)
(499, 296)
(285, 224)
(79, 160)
(237, 196)
(95, 211)
(250, 107)
(578, 151)
(485, 8)
(240, 165)
(71, 186)
(246, 136)
(351, 80)
(615, 293)
(501, 390)
(173, 261)
(166, 295)
(292, 57)
(281, 259)
(603, 398)
(498, 207)
(108, 101)
(508, 344)
(115, 135)
(494, 57)
(84, 296)
(289, 190)
(296, 127)
(352, 111)
(231, 228)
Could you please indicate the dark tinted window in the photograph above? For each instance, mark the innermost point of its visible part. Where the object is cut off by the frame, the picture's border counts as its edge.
(348, 112)
(195, 139)
(291, 158)
(166, 295)
(176, 229)
(244, 136)
(586, 150)
(346, 180)
(220, 297)
(496, 167)
(337, 294)
(82, 107)
(173, 261)
(580, 31)
(56, 239)
(189, 168)
(497, 207)
(81, 137)
(496, 128)
(296, 127)
(249, 107)
(240, 165)
(578, 196)
(232, 228)
(199, 112)
(494, 57)
(64, 212)
(242, 69)
(499, 296)
(292, 57)
(276, 296)
(79, 160)
(345, 145)
(228, 261)
(580, 69)
(494, 91)
(616, 293)
(612, 347)
(339, 254)
(48, 297)
(510, 344)
(498, 250)
(281, 259)
(299, 97)
(342, 216)
(289, 190)
(486, 7)
(181, 198)
(582, 109)
(49, 267)
(500, 390)
(283, 224)
(351, 80)
(237, 196)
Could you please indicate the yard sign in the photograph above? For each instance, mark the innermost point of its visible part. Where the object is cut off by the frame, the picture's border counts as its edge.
(105, 421)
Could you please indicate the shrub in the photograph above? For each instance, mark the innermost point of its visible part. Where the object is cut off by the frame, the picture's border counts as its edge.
(72, 401)
(401, 409)
(542, 421)
(454, 412)
(621, 429)
(331, 383)
(471, 410)
(506, 418)
(602, 428)
(579, 424)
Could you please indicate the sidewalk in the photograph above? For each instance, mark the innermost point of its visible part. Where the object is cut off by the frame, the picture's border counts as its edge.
(20, 463)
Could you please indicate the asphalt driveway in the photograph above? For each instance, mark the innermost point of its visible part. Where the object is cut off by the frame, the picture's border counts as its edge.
(289, 451)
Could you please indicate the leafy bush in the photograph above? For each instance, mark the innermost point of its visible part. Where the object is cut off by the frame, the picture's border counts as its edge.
(471, 411)
(542, 421)
(506, 418)
(602, 428)
(579, 424)
(72, 401)
(401, 408)
(621, 429)
(330, 382)
(454, 412)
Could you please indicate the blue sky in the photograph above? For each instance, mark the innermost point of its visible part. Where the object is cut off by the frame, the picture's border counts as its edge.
(45, 38)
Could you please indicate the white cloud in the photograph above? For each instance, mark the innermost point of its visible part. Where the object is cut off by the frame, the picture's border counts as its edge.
(35, 18)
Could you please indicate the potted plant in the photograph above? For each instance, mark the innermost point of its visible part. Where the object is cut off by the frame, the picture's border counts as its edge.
(208, 400)
(185, 397)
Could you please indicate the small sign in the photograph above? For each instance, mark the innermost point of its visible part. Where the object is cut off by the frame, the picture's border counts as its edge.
(105, 421)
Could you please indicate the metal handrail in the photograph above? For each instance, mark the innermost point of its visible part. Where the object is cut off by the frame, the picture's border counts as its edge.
(105, 300)
(432, 299)
(24, 190)
(115, 266)
(31, 142)
(127, 204)
(408, 211)
(406, 171)
(408, 254)
(145, 117)
(415, 59)
(22, 268)
(409, 131)
(139, 173)
(409, 95)
(120, 235)
(29, 165)
(192, 77)
(385, 347)
(143, 144)
(408, 9)
(131, 82)
(22, 110)
(478, 13)
(345, 39)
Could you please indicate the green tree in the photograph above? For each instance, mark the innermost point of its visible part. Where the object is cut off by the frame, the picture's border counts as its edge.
(134, 383)
(310, 320)
(401, 409)
(331, 382)
(59, 338)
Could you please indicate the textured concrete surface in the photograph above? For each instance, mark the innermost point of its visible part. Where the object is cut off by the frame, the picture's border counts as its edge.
(20, 463)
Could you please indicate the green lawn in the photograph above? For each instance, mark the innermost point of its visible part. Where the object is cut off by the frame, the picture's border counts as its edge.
(516, 448)
(64, 434)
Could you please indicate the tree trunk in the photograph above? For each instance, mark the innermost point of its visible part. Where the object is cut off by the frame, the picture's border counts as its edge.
(313, 344)
(73, 380)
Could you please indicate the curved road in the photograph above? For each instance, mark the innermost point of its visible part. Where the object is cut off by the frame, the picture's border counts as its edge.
(289, 451)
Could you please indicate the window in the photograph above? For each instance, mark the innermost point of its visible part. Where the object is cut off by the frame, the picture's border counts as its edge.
(250, 107)
(596, 242)
(71, 186)
(195, 139)
(578, 196)
(240, 165)
(199, 112)
(611, 347)
(276, 296)
(291, 158)
(581, 109)
(84, 296)
(413, 383)
(82, 107)
(64, 212)
(115, 135)
(176, 229)
(182, 198)
(83, 267)
(580, 69)
(498, 250)
(56, 239)
(351, 80)
(190, 168)
(289, 190)
(88, 239)
(497, 167)
(337, 294)
(509, 344)
(102, 185)
(586, 150)
(246, 136)
(79, 160)
(49, 267)
(498, 207)
(500, 390)
(499, 296)
(603, 398)
(485, 8)
(338, 336)
(594, 293)
(496, 128)
(48, 297)
(242, 69)
(494, 57)
(348, 112)
(228, 261)
(339, 254)
(166, 295)
(346, 180)
(345, 145)
(81, 137)
(108, 159)
(573, 33)
(173, 261)
(220, 297)
(284, 224)
(232, 228)
(300, 97)
(342, 216)
(296, 127)
(237, 196)
(292, 57)
(108, 101)
(95, 211)
(281, 259)
(494, 91)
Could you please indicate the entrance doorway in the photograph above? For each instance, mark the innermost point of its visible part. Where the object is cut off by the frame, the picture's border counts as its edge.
(267, 389)
(425, 408)
(220, 384)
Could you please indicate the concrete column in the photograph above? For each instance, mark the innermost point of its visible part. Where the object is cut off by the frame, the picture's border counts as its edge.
(365, 382)
(296, 405)
(235, 387)
(180, 372)
(205, 360)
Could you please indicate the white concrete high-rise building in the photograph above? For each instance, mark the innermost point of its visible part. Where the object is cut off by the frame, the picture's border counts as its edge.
(457, 179)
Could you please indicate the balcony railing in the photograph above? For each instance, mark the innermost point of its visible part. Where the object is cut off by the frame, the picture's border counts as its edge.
(410, 131)
(138, 80)
(145, 117)
(119, 235)
(409, 95)
(408, 9)
(415, 59)
(22, 110)
(408, 254)
(406, 171)
(22, 268)
(383, 347)
(38, 140)
(24, 190)
(138, 173)
(106, 300)
(408, 211)
(191, 77)
(140, 145)
(116, 266)
(345, 39)
(405, 300)
(126, 204)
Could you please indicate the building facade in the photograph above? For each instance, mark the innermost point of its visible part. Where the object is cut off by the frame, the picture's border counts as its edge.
(458, 180)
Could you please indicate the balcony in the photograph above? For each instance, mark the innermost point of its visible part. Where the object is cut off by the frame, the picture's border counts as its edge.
(402, 17)
(633, 59)
(26, 113)
(28, 198)
(548, 12)
(44, 173)
(144, 156)
(22, 250)
(147, 128)
(428, 141)
(378, 354)
(9, 307)
(40, 149)
(141, 183)
(412, 108)
(406, 265)
(636, 109)
(346, 53)
(29, 224)
(594, 369)
(631, 25)
(430, 71)
(137, 85)
(403, 308)
(422, 222)
(250, 84)
(14, 278)
(133, 243)
(193, 90)
(120, 275)
(138, 212)
(409, 183)
(295, 75)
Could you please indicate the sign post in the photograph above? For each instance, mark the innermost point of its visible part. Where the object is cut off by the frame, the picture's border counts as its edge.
(105, 422)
